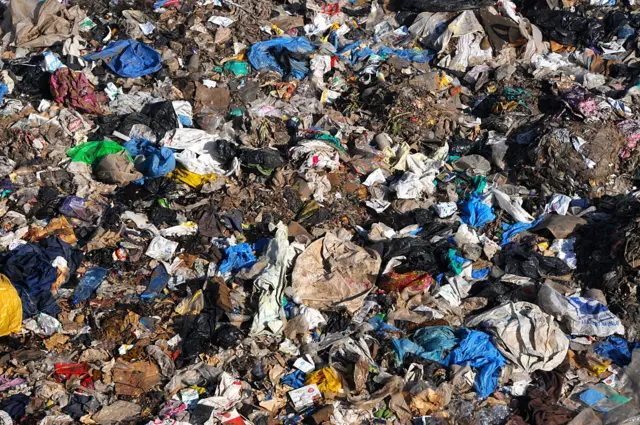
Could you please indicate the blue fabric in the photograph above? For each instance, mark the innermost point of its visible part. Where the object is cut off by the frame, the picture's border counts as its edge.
(129, 58)
(477, 349)
(617, 349)
(476, 214)
(157, 161)
(15, 405)
(261, 245)
(29, 269)
(262, 55)
(510, 230)
(4, 89)
(294, 379)
(238, 257)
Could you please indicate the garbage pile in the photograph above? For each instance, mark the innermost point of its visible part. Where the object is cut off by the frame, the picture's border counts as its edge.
(320, 212)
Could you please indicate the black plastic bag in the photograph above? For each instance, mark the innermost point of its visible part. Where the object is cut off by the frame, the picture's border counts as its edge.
(163, 117)
(266, 158)
(569, 28)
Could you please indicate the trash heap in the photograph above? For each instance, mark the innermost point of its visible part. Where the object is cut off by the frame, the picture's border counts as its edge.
(320, 212)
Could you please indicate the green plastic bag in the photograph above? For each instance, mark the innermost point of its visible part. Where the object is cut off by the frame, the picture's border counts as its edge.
(92, 152)
(238, 68)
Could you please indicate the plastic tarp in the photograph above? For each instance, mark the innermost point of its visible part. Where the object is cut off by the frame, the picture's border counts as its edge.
(525, 335)
(129, 58)
(152, 161)
(266, 55)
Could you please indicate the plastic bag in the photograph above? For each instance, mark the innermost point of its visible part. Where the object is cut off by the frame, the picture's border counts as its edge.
(159, 280)
(262, 55)
(11, 308)
(477, 349)
(326, 379)
(91, 152)
(129, 58)
(150, 160)
(91, 280)
(582, 316)
(192, 179)
(238, 257)
(475, 213)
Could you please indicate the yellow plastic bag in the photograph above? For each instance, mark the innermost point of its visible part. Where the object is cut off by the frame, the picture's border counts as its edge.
(192, 179)
(326, 379)
(10, 308)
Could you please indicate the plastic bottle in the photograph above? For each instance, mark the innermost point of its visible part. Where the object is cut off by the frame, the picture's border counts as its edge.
(159, 280)
(89, 283)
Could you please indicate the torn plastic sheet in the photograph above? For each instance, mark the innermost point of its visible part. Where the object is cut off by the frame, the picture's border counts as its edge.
(196, 150)
(261, 55)
(271, 315)
(511, 207)
(525, 335)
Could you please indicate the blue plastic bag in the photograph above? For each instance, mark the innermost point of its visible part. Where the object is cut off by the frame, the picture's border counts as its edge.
(129, 58)
(294, 379)
(381, 326)
(476, 214)
(510, 230)
(238, 257)
(480, 273)
(436, 341)
(150, 160)
(404, 346)
(617, 349)
(410, 55)
(477, 349)
(262, 55)
(4, 89)
(430, 343)
(468, 346)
